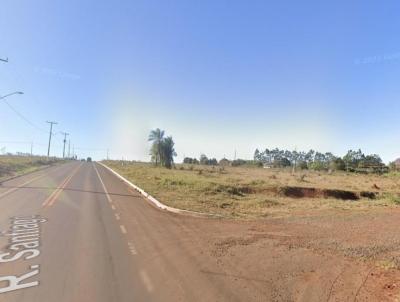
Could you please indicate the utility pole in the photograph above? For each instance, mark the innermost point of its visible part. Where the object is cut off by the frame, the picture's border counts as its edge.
(51, 132)
(65, 140)
(108, 154)
(73, 151)
(69, 148)
(31, 149)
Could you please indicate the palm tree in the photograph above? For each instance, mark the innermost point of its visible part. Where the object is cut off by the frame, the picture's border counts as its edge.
(156, 136)
(168, 152)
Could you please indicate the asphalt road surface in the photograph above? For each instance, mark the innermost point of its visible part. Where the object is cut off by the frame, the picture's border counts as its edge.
(75, 232)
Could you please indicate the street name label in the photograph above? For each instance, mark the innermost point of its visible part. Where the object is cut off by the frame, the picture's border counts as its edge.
(24, 242)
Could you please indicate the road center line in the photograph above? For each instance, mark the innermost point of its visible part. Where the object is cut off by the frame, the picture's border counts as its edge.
(53, 197)
(117, 217)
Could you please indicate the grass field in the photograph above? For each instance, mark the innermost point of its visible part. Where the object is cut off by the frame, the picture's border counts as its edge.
(255, 192)
(16, 165)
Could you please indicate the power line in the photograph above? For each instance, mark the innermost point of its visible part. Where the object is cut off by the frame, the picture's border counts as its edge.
(23, 117)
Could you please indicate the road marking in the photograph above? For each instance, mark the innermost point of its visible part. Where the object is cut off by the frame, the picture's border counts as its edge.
(53, 197)
(123, 230)
(112, 207)
(104, 186)
(132, 248)
(24, 243)
(20, 186)
(146, 281)
(117, 217)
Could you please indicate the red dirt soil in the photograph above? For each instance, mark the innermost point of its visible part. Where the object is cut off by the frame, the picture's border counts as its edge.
(317, 256)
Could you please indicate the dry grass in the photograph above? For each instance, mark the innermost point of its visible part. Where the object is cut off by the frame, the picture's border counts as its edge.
(17, 165)
(254, 192)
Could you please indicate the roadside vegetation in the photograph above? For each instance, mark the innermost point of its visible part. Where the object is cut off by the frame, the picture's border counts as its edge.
(250, 191)
(275, 182)
(13, 165)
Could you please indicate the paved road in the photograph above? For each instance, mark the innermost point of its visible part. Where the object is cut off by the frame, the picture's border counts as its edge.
(75, 232)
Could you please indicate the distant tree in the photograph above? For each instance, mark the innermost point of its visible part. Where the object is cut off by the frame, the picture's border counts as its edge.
(393, 166)
(302, 165)
(238, 162)
(203, 159)
(281, 162)
(352, 161)
(337, 164)
(189, 160)
(353, 158)
(168, 152)
(213, 162)
(156, 136)
(257, 155)
(162, 150)
(224, 162)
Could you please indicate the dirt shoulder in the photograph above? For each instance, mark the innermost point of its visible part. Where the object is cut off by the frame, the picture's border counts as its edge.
(13, 166)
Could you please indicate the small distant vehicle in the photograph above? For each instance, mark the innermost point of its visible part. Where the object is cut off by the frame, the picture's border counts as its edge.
(89, 159)
(83, 159)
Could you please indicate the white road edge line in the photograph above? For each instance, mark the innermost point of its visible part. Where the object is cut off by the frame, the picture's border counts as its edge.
(132, 248)
(123, 230)
(146, 281)
(155, 201)
(102, 183)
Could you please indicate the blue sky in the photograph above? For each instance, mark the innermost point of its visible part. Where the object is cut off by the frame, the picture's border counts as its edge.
(216, 75)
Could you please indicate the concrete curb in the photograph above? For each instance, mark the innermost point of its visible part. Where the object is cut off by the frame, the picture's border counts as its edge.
(157, 203)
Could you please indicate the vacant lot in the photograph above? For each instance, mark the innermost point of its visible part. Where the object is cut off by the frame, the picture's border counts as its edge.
(258, 192)
(16, 165)
(309, 246)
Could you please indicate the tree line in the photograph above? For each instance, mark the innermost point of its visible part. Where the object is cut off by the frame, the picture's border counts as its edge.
(163, 152)
(352, 161)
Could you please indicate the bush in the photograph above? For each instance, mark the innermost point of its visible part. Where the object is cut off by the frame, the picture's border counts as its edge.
(238, 162)
(317, 166)
(224, 162)
(302, 165)
(337, 164)
(191, 161)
